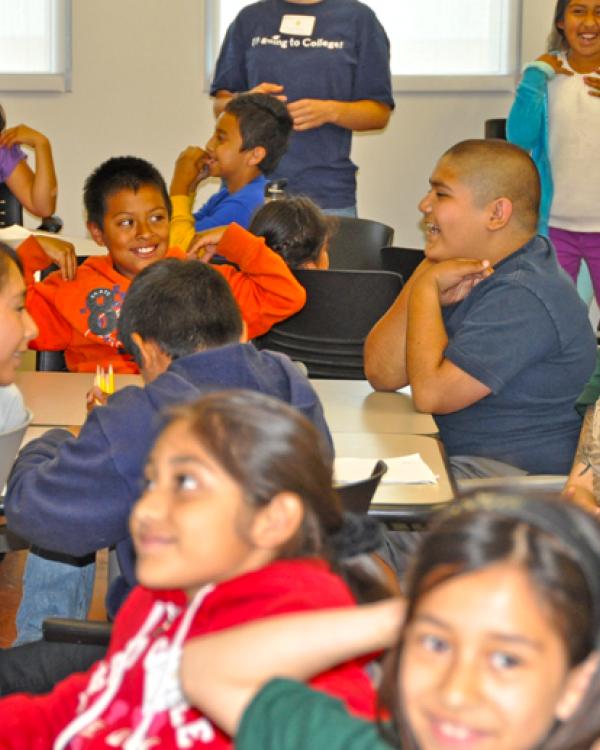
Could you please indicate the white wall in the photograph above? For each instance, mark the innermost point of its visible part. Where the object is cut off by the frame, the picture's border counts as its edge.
(138, 88)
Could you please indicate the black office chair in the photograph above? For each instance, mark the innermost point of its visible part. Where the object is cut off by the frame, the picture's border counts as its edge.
(328, 334)
(495, 128)
(49, 361)
(356, 496)
(402, 260)
(66, 630)
(356, 243)
(11, 212)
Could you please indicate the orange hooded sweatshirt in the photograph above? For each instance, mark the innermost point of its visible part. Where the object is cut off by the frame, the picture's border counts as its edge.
(81, 316)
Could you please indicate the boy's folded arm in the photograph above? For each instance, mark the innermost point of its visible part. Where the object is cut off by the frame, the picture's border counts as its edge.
(182, 227)
(264, 287)
(385, 346)
(438, 385)
(68, 495)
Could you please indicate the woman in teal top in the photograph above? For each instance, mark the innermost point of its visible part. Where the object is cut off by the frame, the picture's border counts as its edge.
(498, 645)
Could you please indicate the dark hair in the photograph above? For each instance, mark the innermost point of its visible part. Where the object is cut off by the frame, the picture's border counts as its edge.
(263, 121)
(2, 118)
(182, 306)
(114, 175)
(268, 447)
(557, 39)
(493, 168)
(556, 543)
(294, 227)
(8, 256)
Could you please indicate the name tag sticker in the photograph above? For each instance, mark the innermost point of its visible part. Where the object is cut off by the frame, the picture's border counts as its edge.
(298, 25)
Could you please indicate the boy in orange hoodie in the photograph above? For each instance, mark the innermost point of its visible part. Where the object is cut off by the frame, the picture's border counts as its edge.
(128, 211)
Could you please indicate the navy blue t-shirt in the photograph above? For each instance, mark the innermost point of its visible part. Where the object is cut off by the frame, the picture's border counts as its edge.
(346, 58)
(523, 332)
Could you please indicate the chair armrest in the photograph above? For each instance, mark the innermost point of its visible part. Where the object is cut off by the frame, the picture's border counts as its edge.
(541, 482)
(51, 224)
(63, 630)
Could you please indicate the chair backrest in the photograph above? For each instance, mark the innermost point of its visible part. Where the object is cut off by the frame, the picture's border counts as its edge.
(356, 244)
(356, 496)
(10, 442)
(48, 361)
(328, 334)
(11, 211)
(495, 128)
(402, 260)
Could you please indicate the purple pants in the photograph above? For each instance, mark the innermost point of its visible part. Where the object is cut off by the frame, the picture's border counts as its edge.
(572, 248)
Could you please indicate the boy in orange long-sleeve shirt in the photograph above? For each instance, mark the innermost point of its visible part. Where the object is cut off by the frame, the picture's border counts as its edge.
(128, 210)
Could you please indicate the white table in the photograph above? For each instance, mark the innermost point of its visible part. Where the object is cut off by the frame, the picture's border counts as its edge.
(58, 398)
(353, 406)
(349, 405)
(408, 502)
(15, 234)
(363, 423)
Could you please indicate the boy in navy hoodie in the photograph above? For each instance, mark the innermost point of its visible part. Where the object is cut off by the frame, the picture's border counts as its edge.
(73, 495)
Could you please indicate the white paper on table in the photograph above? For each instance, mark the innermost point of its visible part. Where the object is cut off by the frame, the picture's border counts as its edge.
(401, 470)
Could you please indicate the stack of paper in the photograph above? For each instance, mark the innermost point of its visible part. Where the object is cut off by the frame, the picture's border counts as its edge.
(401, 470)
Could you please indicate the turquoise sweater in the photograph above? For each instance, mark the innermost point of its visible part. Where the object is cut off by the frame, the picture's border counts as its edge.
(527, 126)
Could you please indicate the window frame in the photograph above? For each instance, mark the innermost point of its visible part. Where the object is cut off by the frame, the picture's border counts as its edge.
(403, 84)
(59, 81)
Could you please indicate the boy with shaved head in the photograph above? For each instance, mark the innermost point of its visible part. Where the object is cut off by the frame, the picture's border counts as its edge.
(489, 331)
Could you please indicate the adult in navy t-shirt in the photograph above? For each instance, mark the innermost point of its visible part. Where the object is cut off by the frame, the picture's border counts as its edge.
(330, 58)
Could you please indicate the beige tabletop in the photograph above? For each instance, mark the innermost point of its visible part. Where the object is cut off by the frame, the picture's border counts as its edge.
(361, 423)
(353, 406)
(15, 234)
(58, 398)
(408, 501)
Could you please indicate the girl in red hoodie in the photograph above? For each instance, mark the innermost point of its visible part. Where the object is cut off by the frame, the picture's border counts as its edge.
(236, 523)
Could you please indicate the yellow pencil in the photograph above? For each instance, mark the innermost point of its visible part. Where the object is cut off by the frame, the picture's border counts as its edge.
(105, 381)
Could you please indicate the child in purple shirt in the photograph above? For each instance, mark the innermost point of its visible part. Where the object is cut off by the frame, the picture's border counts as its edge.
(35, 190)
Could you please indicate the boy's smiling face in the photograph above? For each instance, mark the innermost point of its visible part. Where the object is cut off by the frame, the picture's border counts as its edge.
(136, 229)
(226, 157)
(454, 223)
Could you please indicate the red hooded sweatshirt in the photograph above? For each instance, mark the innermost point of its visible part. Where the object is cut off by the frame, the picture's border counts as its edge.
(131, 699)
